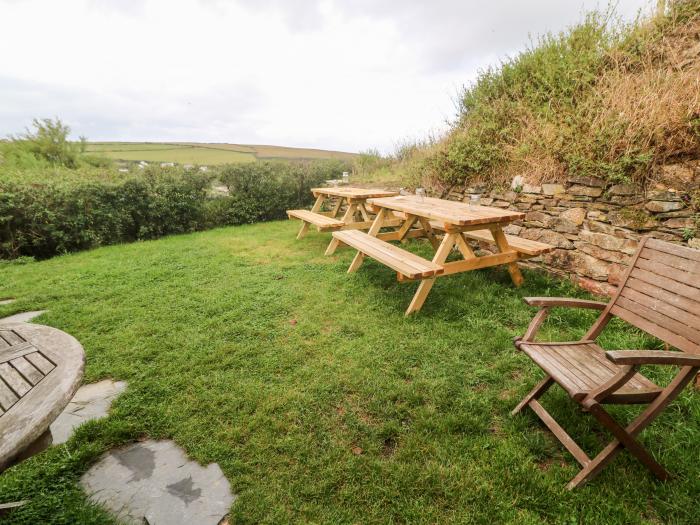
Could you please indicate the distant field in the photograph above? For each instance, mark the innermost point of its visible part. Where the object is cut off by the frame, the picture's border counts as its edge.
(209, 154)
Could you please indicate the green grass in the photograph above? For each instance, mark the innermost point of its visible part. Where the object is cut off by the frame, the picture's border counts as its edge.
(320, 401)
(208, 154)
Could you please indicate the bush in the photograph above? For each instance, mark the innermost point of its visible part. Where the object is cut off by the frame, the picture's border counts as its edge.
(263, 191)
(48, 213)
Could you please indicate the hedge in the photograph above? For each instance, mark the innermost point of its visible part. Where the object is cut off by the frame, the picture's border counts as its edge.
(59, 211)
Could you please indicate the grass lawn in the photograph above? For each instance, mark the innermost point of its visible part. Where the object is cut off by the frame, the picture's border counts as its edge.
(320, 401)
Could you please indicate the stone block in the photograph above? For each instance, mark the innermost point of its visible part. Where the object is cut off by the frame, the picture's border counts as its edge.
(608, 242)
(548, 237)
(574, 215)
(680, 223)
(588, 181)
(632, 218)
(562, 225)
(664, 206)
(623, 189)
(615, 273)
(612, 256)
(553, 189)
(663, 195)
(585, 191)
(529, 188)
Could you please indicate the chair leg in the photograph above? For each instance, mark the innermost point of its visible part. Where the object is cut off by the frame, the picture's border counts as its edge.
(674, 388)
(627, 440)
(535, 393)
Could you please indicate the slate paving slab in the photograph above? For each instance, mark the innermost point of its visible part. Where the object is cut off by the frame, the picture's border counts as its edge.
(154, 482)
(24, 317)
(90, 402)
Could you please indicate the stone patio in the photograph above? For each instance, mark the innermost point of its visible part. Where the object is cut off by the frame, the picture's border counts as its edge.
(90, 402)
(24, 317)
(154, 482)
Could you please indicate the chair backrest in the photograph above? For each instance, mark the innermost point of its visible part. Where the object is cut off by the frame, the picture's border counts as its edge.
(660, 294)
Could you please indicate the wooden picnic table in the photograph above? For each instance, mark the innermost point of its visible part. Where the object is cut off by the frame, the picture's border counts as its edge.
(428, 217)
(355, 217)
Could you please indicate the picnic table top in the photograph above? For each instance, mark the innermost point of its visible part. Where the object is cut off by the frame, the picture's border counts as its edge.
(354, 193)
(450, 212)
(40, 370)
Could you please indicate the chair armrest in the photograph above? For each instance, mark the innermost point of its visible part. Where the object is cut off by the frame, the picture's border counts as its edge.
(564, 302)
(653, 357)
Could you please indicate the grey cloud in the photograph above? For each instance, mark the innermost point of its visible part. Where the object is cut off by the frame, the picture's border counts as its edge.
(225, 111)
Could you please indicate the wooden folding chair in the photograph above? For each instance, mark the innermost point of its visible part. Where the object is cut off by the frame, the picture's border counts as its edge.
(660, 294)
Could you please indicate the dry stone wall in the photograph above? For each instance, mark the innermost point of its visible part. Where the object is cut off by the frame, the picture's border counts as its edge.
(596, 225)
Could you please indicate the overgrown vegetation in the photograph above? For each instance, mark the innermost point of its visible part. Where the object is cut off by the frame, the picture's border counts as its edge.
(603, 99)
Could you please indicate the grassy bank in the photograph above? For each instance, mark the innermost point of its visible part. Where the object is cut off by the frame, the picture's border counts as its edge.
(319, 400)
(604, 99)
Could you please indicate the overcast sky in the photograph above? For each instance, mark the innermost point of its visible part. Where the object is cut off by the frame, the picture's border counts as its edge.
(334, 74)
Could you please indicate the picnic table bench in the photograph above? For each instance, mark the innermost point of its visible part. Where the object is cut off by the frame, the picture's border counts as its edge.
(423, 217)
(355, 217)
(40, 370)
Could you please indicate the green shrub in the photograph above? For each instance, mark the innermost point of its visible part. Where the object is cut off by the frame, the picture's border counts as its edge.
(263, 191)
(48, 213)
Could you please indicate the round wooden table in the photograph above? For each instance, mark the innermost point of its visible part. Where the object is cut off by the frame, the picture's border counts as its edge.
(40, 370)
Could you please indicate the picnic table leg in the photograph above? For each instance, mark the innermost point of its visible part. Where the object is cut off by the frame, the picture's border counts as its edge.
(426, 284)
(305, 225)
(347, 217)
(403, 229)
(503, 246)
(336, 208)
(373, 231)
(363, 211)
(429, 233)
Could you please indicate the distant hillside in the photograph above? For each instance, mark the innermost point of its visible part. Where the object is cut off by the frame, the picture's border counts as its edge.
(604, 99)
(207, 153)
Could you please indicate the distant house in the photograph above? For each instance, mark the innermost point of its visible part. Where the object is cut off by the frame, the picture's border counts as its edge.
(123, 170)
(188, 166)
(167, 164)
(204, 168)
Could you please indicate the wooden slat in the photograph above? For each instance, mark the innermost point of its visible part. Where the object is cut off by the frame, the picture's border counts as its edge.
(28, 371)
(658, 318)
(674, 261)
(680, 251)
(4, 344)
(40, 362)
(11, 337)
(7, 396)
(13, 352)
(653, 329)
(666, 283)
(14, 379)
(315, 218)
(581, 368)
(687, 278)
(392, 256)
(658, 304)
(352, 192)
(677, 300)
(525, 246)
(480, 262)
(450, 212)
